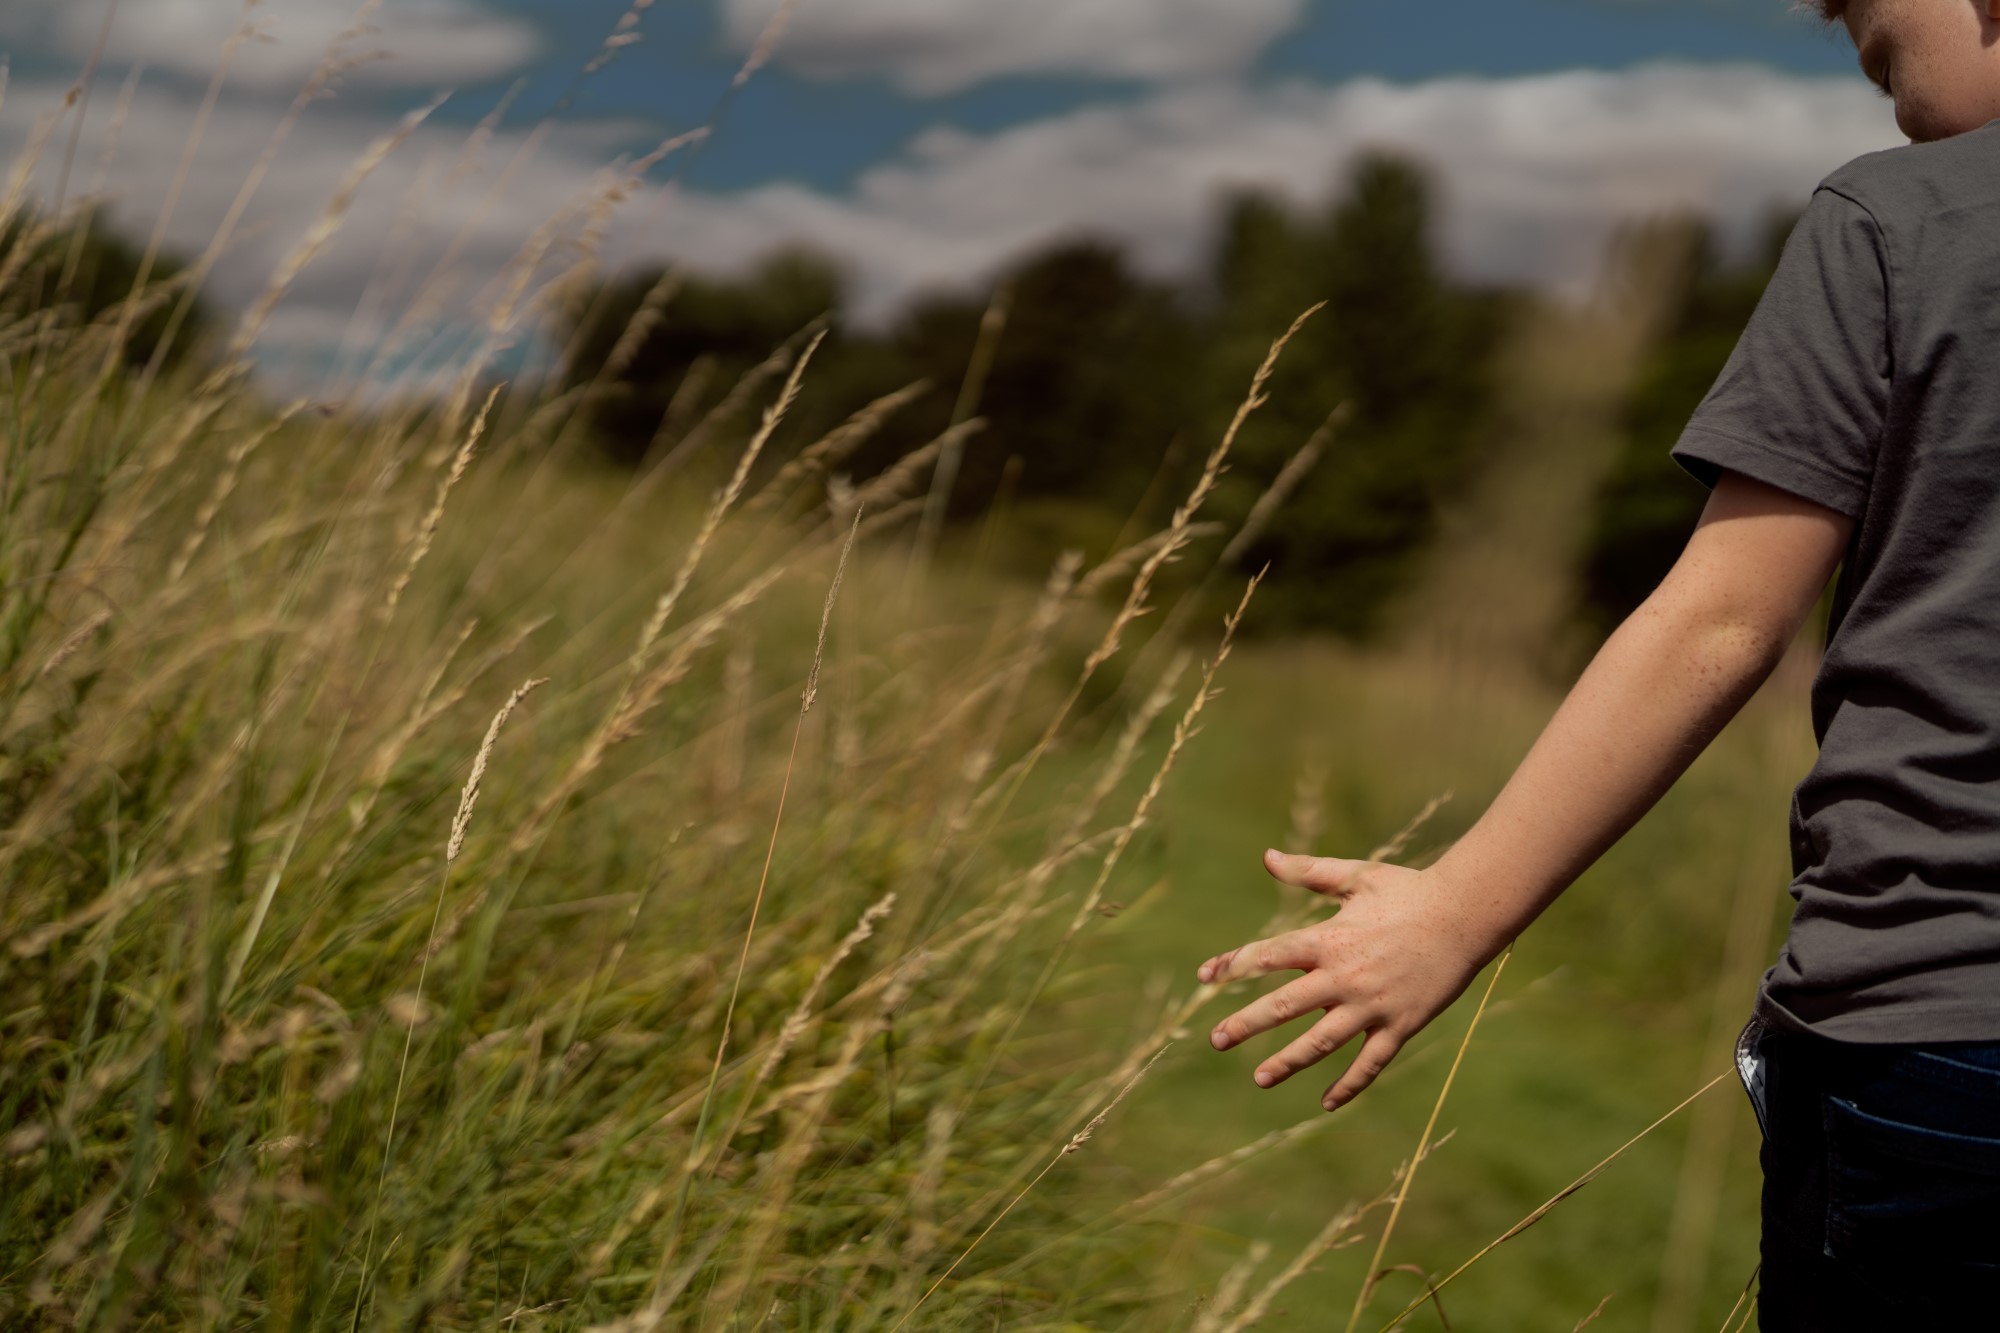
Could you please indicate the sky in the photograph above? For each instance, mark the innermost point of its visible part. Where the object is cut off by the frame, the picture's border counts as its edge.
(471, 149)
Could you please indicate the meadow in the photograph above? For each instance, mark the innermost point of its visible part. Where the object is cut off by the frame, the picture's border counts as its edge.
(447, 882)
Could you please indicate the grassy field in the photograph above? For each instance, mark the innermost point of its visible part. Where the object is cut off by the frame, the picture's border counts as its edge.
(1617, 1005)
(445, 884)
(344, 982)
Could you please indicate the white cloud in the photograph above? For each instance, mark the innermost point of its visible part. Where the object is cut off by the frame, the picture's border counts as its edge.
(1533, 174)
(939, 46)
(420, 42)
(437, 224)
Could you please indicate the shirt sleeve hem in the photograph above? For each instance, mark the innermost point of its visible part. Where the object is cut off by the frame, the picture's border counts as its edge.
(1705, 453)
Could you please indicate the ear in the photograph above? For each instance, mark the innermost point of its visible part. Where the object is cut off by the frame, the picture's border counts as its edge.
(1993, 11)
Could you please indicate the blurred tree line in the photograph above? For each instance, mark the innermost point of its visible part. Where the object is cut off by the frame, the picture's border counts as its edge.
(1106, 388)
(80, 269)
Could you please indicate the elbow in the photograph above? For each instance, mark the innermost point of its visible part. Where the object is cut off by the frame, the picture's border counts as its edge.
(1740, 638)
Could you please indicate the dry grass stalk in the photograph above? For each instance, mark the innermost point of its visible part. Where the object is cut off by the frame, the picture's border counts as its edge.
(1394, 848)
(1591, 1318)
(642, 688)
(725, 500)
(1546, 1208)
(1336, 1230)
(1027, 903)
(1075, 1143)
(72, 642)
(427, 530)
(321, 82)
(1230, 1289)
(225, 482)
(1309, 800)
(1011, 679)
(680, 408)
(696, 1145)
(992, 325)
(27, 246)
(652, 310)
(923, 1232)
(732, 405)
(1334, 1233)
(1282, 488)
(1184, 730)
(896, 482)
(1742, 1297)
(1120, 564)
(429, 298)
(835, 447)
(800, 1018)
(1423, 1143)
(811, 691)
(1177, 538)
(1218, 1166)
(795, 1023)
(1183, 520)
(1137, 727)
(243, 31)
(470, 796)
(604, 201)
(788, 1164)
(467, 799)
(427, 707)
(766, 44)
(323, 230)
(513, 286)
(624, 33)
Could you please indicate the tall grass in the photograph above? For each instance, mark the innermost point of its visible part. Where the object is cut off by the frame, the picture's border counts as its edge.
(322, 1010)
(442, 884)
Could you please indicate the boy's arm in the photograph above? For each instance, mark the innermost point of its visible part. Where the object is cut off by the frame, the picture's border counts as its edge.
(1406, 943)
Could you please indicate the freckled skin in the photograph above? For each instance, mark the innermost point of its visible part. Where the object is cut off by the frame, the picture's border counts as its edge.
(1406, 943)
(1939, 59)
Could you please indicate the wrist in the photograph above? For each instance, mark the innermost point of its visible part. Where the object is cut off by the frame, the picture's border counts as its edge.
(1484, 916)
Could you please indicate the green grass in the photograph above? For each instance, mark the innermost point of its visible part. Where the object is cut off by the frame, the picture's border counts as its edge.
(1618, 1003)
(269, 1056)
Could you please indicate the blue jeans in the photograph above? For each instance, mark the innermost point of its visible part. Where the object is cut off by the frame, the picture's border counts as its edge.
(1881, 1185)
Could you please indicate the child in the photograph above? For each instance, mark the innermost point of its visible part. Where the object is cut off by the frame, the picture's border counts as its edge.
(1856, 424)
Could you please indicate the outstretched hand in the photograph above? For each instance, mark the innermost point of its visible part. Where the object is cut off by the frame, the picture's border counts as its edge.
(1398, 952)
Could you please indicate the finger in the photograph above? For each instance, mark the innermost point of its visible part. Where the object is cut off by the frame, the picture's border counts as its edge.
(1332, 876)
(1376, 1053)
(1277, 954)
(1281, 1006)
(1319, 1041)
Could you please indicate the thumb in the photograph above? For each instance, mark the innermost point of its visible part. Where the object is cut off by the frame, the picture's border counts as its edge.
(1327, 875)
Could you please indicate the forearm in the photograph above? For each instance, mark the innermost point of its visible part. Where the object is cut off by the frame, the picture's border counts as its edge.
(1405, 943)
(1651, 700)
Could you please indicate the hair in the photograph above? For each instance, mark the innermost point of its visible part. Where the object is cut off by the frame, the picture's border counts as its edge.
(1828, 11)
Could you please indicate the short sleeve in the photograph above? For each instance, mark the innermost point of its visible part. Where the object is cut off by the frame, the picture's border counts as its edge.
(1801, 403)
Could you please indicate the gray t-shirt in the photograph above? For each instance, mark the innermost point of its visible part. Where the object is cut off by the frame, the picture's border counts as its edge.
(1869, 381)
